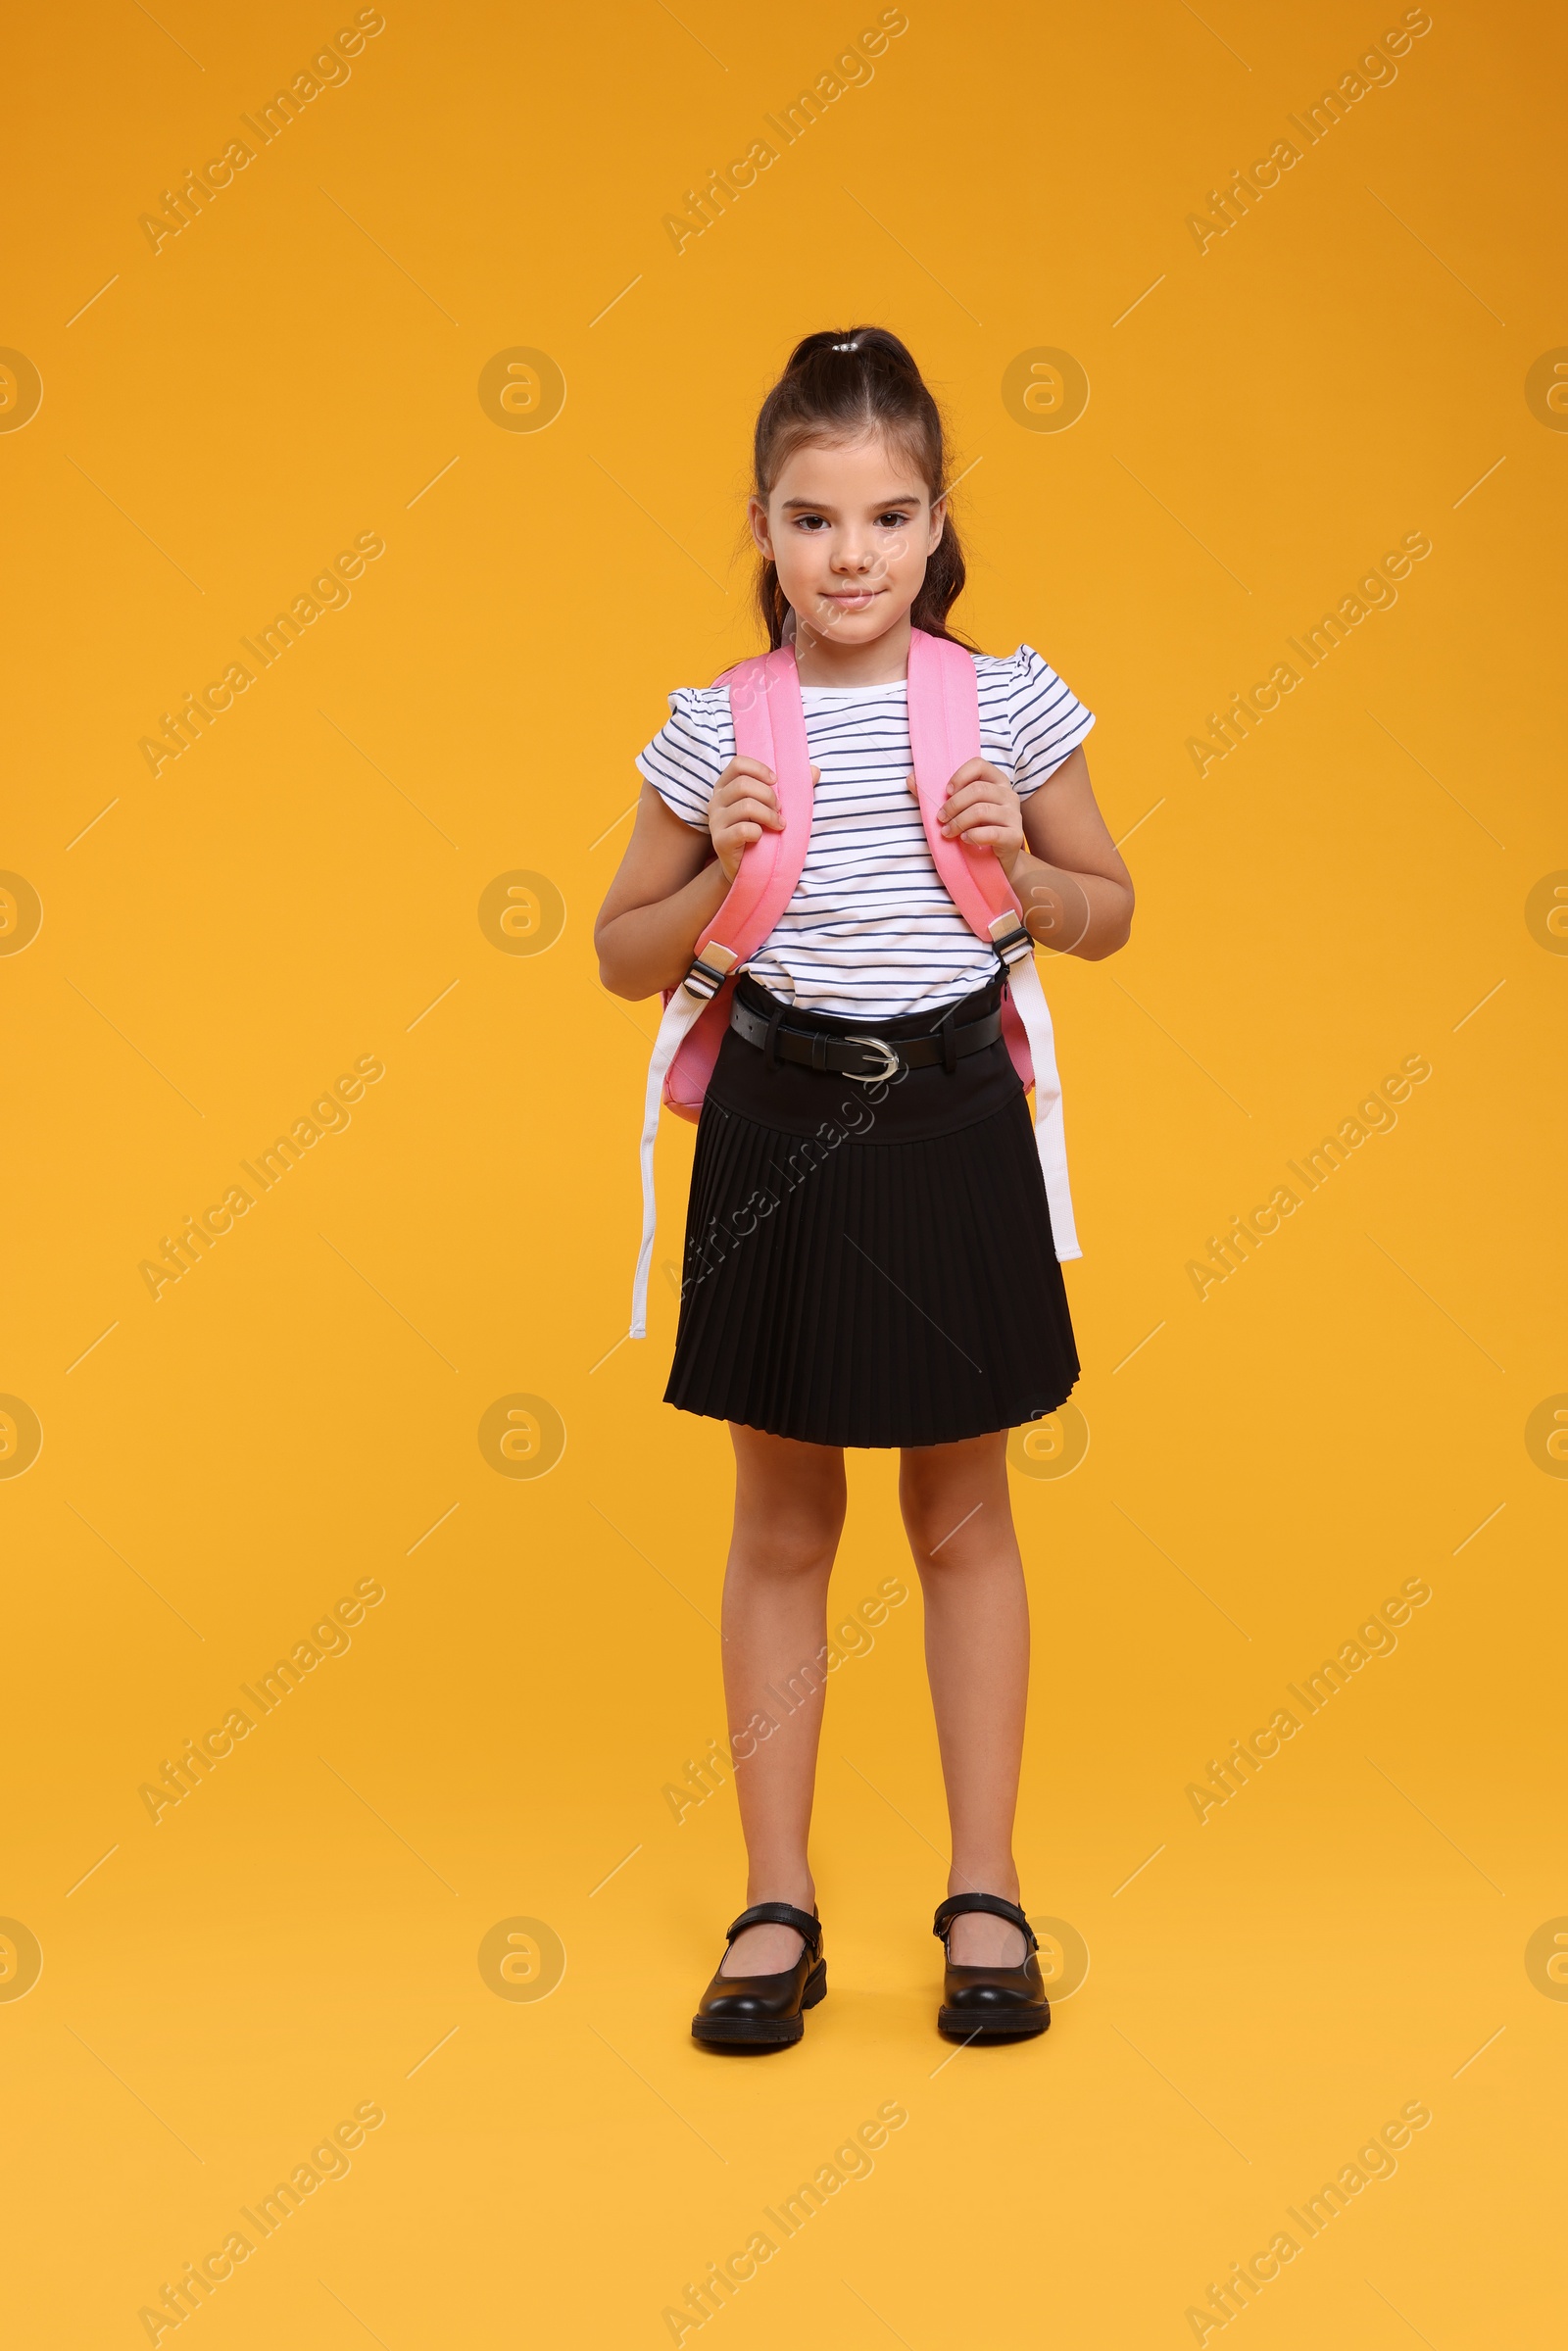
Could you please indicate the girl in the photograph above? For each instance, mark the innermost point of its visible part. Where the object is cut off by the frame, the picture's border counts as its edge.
(896, 1282)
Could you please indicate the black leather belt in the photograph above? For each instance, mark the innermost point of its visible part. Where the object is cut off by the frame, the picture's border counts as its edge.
(869, 1061)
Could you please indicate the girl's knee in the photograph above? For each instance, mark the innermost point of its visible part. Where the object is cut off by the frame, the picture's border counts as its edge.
(790, 1500)
(944, 1513)
(799, 1538)
(936, 1530)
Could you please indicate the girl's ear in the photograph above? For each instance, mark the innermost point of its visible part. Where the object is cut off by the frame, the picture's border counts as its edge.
(939, 523)
(757, 517)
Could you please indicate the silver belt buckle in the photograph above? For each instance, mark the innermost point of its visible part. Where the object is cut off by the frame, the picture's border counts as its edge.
(874, 1077)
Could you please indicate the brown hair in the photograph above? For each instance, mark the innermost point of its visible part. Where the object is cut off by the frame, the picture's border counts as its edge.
(840, 385)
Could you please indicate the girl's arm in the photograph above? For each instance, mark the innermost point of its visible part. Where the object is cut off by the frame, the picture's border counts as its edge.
(1076, 894)
(673, 879)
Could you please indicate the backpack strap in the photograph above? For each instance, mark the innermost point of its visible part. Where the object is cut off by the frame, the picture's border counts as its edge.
(944, 733)
(770, 717)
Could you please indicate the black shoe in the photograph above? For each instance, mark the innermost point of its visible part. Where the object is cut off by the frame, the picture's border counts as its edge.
(765, 2012)
(991, 2003)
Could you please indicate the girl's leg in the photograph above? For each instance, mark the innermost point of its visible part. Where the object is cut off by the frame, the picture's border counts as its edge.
(789, 1512)
(958, 1518)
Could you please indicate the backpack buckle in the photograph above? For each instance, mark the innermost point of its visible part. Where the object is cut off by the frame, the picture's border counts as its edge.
(1010, 939)
(709, 970)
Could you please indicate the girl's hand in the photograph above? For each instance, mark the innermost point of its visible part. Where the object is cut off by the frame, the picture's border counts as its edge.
(743, 808)
(983, 810)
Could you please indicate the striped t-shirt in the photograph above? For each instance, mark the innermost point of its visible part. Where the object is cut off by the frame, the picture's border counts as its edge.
(870, 932)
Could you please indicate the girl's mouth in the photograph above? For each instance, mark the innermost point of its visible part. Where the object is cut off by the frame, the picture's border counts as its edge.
(851, 600)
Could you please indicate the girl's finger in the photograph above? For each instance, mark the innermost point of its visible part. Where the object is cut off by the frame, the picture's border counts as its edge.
(978, 827)
(756, 804)
(977, 794)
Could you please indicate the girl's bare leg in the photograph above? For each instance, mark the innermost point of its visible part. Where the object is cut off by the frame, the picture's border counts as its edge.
(958, 1518)
(789, 1512)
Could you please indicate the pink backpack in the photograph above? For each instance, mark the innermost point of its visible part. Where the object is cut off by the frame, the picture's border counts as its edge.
(769, 719)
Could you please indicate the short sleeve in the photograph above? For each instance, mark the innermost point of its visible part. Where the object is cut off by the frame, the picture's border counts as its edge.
(1048, 719)
(690, 752)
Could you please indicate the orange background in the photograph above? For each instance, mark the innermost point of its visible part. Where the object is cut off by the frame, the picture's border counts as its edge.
(300, 1413)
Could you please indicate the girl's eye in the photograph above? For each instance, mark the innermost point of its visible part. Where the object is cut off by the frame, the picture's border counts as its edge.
(896, 521)
(810, 522)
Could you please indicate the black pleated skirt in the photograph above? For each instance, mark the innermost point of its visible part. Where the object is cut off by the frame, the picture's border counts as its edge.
(870, 1265)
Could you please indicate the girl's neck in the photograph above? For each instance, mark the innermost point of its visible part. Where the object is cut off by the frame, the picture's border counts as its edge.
(885, 661)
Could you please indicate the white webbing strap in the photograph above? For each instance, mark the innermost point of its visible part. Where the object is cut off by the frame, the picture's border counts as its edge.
(1050, 1140)
(681, 1013)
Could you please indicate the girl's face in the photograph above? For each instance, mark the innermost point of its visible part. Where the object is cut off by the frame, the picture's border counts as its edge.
(851, 527)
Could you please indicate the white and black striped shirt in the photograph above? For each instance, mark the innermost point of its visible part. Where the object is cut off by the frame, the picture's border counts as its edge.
(870, 932)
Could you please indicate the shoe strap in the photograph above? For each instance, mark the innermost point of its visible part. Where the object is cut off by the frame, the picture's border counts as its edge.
(961, 1905)
(780, 1914)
